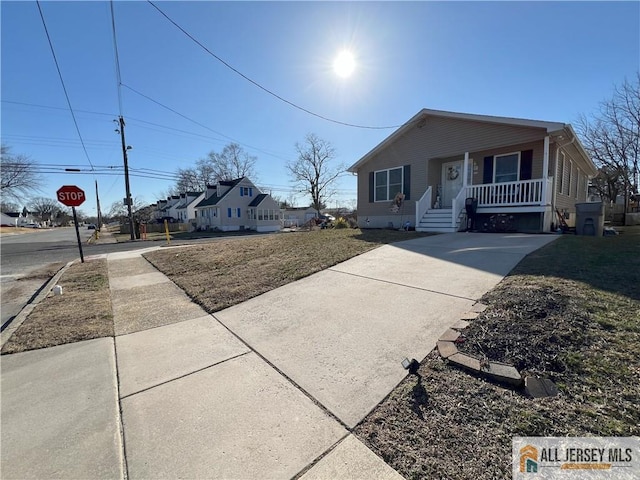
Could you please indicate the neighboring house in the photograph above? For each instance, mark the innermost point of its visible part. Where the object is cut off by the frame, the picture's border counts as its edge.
(298, 216)
(186, 206)
(9, 219)
(237, 205)
(166, 209)
(423, 172)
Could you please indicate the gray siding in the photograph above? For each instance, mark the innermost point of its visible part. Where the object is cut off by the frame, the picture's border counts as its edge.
(440, 138)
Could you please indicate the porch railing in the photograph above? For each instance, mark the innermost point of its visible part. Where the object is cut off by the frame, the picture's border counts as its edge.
(423, 205)
(524, 192)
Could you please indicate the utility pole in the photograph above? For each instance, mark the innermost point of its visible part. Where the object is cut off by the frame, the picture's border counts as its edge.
(126, 177)
(98, 204)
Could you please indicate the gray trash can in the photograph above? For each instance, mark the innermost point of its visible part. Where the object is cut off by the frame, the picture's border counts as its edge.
(590, 218)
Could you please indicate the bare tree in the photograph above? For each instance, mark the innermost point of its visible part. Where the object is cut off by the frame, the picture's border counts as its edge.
(233, 162)
(44, 208)
(612, 137)
(9, 206)
(19, 175)
(118, 210)
(312, 172)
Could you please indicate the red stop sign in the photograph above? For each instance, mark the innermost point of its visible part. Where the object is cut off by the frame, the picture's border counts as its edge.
(71, 195)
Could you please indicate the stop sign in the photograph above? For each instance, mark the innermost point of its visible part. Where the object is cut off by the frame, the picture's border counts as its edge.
(71, 196)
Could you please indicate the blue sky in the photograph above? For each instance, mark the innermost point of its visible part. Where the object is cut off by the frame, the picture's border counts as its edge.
(540, 60)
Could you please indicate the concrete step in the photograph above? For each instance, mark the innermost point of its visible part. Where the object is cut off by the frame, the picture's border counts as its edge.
(436, 229)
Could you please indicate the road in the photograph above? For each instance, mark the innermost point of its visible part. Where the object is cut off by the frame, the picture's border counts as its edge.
(23, 253)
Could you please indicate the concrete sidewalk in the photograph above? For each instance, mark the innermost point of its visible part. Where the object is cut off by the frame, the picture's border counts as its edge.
(270, 388)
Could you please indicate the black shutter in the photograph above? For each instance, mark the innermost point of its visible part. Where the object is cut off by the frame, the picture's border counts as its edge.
(371, 187)
(526, 164)
(406, 187)
(487, 173)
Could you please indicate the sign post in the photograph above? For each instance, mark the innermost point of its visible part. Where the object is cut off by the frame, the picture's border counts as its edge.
(73, 197)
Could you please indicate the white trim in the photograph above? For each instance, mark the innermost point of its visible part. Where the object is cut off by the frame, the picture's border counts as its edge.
(545, 166)
(465, 170)
(495, 157)
(389, 198)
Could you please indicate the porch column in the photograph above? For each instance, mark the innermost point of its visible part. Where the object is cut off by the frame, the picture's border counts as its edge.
(465, 170)
(545, 168)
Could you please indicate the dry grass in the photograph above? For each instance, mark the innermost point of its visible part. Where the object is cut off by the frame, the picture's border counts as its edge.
(82, 312)
(224, 273)
(18, 230)
(570, 312)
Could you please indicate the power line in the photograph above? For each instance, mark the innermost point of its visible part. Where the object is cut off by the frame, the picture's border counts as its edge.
(262, 87)
(195, 121)
(75, 122)
(117, 59)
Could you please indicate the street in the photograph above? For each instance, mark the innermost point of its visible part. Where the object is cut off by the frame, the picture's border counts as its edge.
(23, 253)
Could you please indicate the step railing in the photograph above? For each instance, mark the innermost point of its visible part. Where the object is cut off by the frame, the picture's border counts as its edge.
(457, 205)
(423, 205)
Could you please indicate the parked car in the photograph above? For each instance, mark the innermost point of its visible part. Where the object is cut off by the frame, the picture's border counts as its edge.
(325, 217)
(91, 226)
(31, 225)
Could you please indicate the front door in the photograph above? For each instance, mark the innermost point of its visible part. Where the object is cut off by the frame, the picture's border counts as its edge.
(451, 182)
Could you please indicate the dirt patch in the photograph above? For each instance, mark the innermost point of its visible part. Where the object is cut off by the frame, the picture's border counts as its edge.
(221, 274)
(547, 318)
(82, 312)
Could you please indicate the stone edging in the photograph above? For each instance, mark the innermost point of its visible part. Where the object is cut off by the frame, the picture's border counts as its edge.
(495, 371)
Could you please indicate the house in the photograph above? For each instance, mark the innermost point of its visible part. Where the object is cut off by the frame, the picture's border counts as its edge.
(237, 205)
(9, 219)
(166, 209)
(186, 207)
(523, 174)
(298, 216)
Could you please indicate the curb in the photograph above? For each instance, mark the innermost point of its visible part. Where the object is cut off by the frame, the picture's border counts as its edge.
(19, 319)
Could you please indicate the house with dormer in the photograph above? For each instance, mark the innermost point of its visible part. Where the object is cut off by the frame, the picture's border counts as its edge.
(237, 205)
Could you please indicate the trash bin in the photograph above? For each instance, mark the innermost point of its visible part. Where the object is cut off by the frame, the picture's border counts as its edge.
(590, 218)
(471, 206)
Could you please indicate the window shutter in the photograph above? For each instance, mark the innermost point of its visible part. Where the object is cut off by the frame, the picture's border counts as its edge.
(526, 164)
(487, 174)
(371, 187)
(250, 192)
(241, 191)
(229, 212)
(239, 213)
(406, 187)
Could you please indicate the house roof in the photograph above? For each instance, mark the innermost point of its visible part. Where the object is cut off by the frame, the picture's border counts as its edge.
(215, 198)
(550, 127)
(258, 200)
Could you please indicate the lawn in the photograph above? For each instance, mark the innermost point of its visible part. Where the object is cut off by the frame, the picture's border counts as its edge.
(82, 312)
(569, 312)
(226, 272)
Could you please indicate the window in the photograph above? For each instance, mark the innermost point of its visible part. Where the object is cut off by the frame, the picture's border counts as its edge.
(570, 178)
(271, 214)
(506, 168)
(260, 214)
(561, 172)
(388, 183)
(246, 192)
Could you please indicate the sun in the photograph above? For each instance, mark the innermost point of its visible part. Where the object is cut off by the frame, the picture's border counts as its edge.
(344, 64)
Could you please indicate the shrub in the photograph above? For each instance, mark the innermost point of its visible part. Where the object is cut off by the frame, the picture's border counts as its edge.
(340, 223)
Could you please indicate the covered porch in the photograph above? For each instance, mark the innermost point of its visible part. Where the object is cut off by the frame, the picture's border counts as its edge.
(503, 181)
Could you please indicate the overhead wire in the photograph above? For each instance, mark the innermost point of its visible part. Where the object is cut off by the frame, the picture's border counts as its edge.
(261, 87)
(66, 94)
(117, 59)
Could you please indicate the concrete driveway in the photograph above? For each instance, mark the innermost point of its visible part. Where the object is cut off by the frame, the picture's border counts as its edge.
(341, 334)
